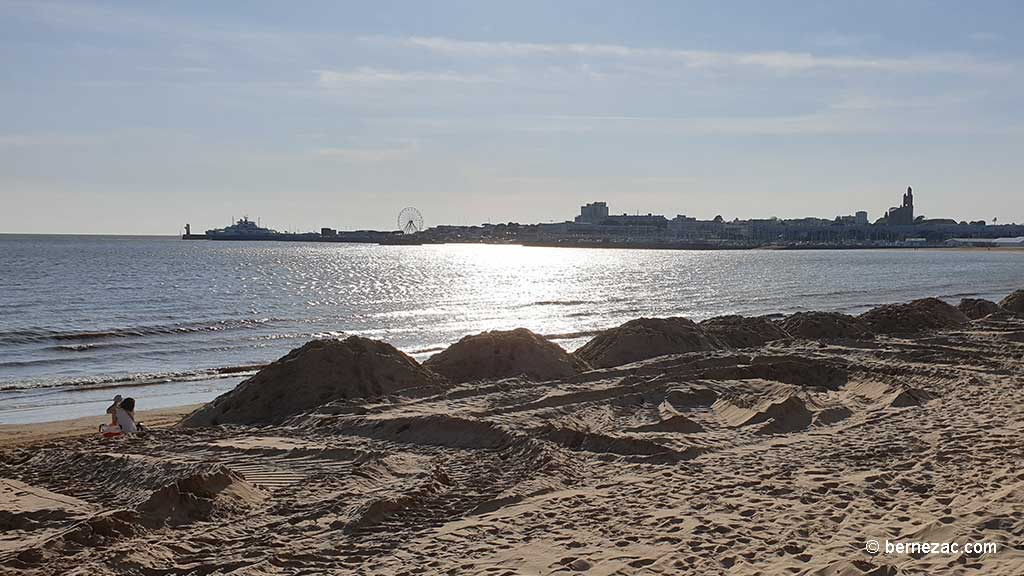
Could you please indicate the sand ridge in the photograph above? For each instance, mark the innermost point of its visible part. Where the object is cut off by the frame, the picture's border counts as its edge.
(644, 338)
(1013, 302)
(314, 374)
(505, 354)
(827, 325)
(975, 308)
(913, 317)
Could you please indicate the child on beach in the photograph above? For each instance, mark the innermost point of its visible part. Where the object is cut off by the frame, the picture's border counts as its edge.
(125, 415)
(112, 410)
(122, 417)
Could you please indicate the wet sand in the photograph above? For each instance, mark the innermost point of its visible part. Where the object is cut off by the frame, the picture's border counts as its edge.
(15, 435)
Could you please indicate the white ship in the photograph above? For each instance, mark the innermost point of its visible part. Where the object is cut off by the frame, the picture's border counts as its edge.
(244, 229)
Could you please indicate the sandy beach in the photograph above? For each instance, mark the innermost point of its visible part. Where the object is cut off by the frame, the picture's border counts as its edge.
(458, 288)
(732, 446)
(22, 435)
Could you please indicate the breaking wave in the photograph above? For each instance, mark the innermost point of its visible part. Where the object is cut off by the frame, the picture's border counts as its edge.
(142, 379)
(42, 335)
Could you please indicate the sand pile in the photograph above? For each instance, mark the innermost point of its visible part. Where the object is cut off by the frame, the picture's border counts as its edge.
(785, 415)
(909, 396)
(825, 326)
(975, 308)
(741, 331)
(670, 420)
(1014, 302)
(505, 354)
(644, 338)
(917, 316)
(779, 414)
(198, 497)
(832, 414)
(102, 529)
(314, 374)
(689, 395)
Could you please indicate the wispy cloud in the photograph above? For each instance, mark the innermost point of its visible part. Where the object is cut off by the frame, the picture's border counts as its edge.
(778, 60)
(984, 37)
(869, 118)
(45, 140)
(941, 101)
(839, 40)
(367, 155)
(196, 39)
(368, 76)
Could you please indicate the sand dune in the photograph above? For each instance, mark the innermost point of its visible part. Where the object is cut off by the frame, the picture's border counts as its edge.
(1014, 302)
(975, 308)
(498, 354)
(320, 371)
(742, 331)
(913, 317)
(644, 338)
(680, 454)
(825, 325)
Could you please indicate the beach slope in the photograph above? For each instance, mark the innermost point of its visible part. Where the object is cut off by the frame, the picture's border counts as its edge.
(782, 458)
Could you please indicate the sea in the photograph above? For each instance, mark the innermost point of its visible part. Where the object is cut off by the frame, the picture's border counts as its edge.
(172, 322)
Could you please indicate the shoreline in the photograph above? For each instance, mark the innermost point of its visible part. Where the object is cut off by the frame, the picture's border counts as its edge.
(75, 402)
(21, 435)
(695, 246)
(653, 245)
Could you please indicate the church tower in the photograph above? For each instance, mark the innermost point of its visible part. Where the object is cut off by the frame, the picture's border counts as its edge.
(902, 215)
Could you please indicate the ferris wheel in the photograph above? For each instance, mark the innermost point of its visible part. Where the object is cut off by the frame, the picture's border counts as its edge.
(410, 221)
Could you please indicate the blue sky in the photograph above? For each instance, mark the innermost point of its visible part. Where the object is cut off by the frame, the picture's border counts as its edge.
(136, 117)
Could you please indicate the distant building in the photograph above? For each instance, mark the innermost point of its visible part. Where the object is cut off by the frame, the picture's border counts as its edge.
(553, 228)
(681, 224)
(1013, 242)
(596, 213)
(593, 213)
(655, 220)
(902, 215)
(858, 219)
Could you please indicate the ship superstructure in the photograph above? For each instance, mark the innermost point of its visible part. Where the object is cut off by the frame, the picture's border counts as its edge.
(241, 230)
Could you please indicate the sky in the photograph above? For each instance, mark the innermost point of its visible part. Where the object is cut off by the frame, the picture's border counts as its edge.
(138, 117)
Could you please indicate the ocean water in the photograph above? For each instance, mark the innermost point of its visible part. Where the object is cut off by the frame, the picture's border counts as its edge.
(170, 321)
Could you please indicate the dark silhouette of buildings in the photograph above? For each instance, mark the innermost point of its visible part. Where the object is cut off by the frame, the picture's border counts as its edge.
(593, 213)
(902, 215)
(596, 226)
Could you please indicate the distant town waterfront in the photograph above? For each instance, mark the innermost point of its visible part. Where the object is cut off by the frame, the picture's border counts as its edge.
(181, 321)
(597, 226)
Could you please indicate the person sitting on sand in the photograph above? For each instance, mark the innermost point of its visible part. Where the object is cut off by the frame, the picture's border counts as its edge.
(125, 415)
(112, 410)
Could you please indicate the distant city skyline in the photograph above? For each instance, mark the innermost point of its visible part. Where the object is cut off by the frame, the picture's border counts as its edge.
(120, 117)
